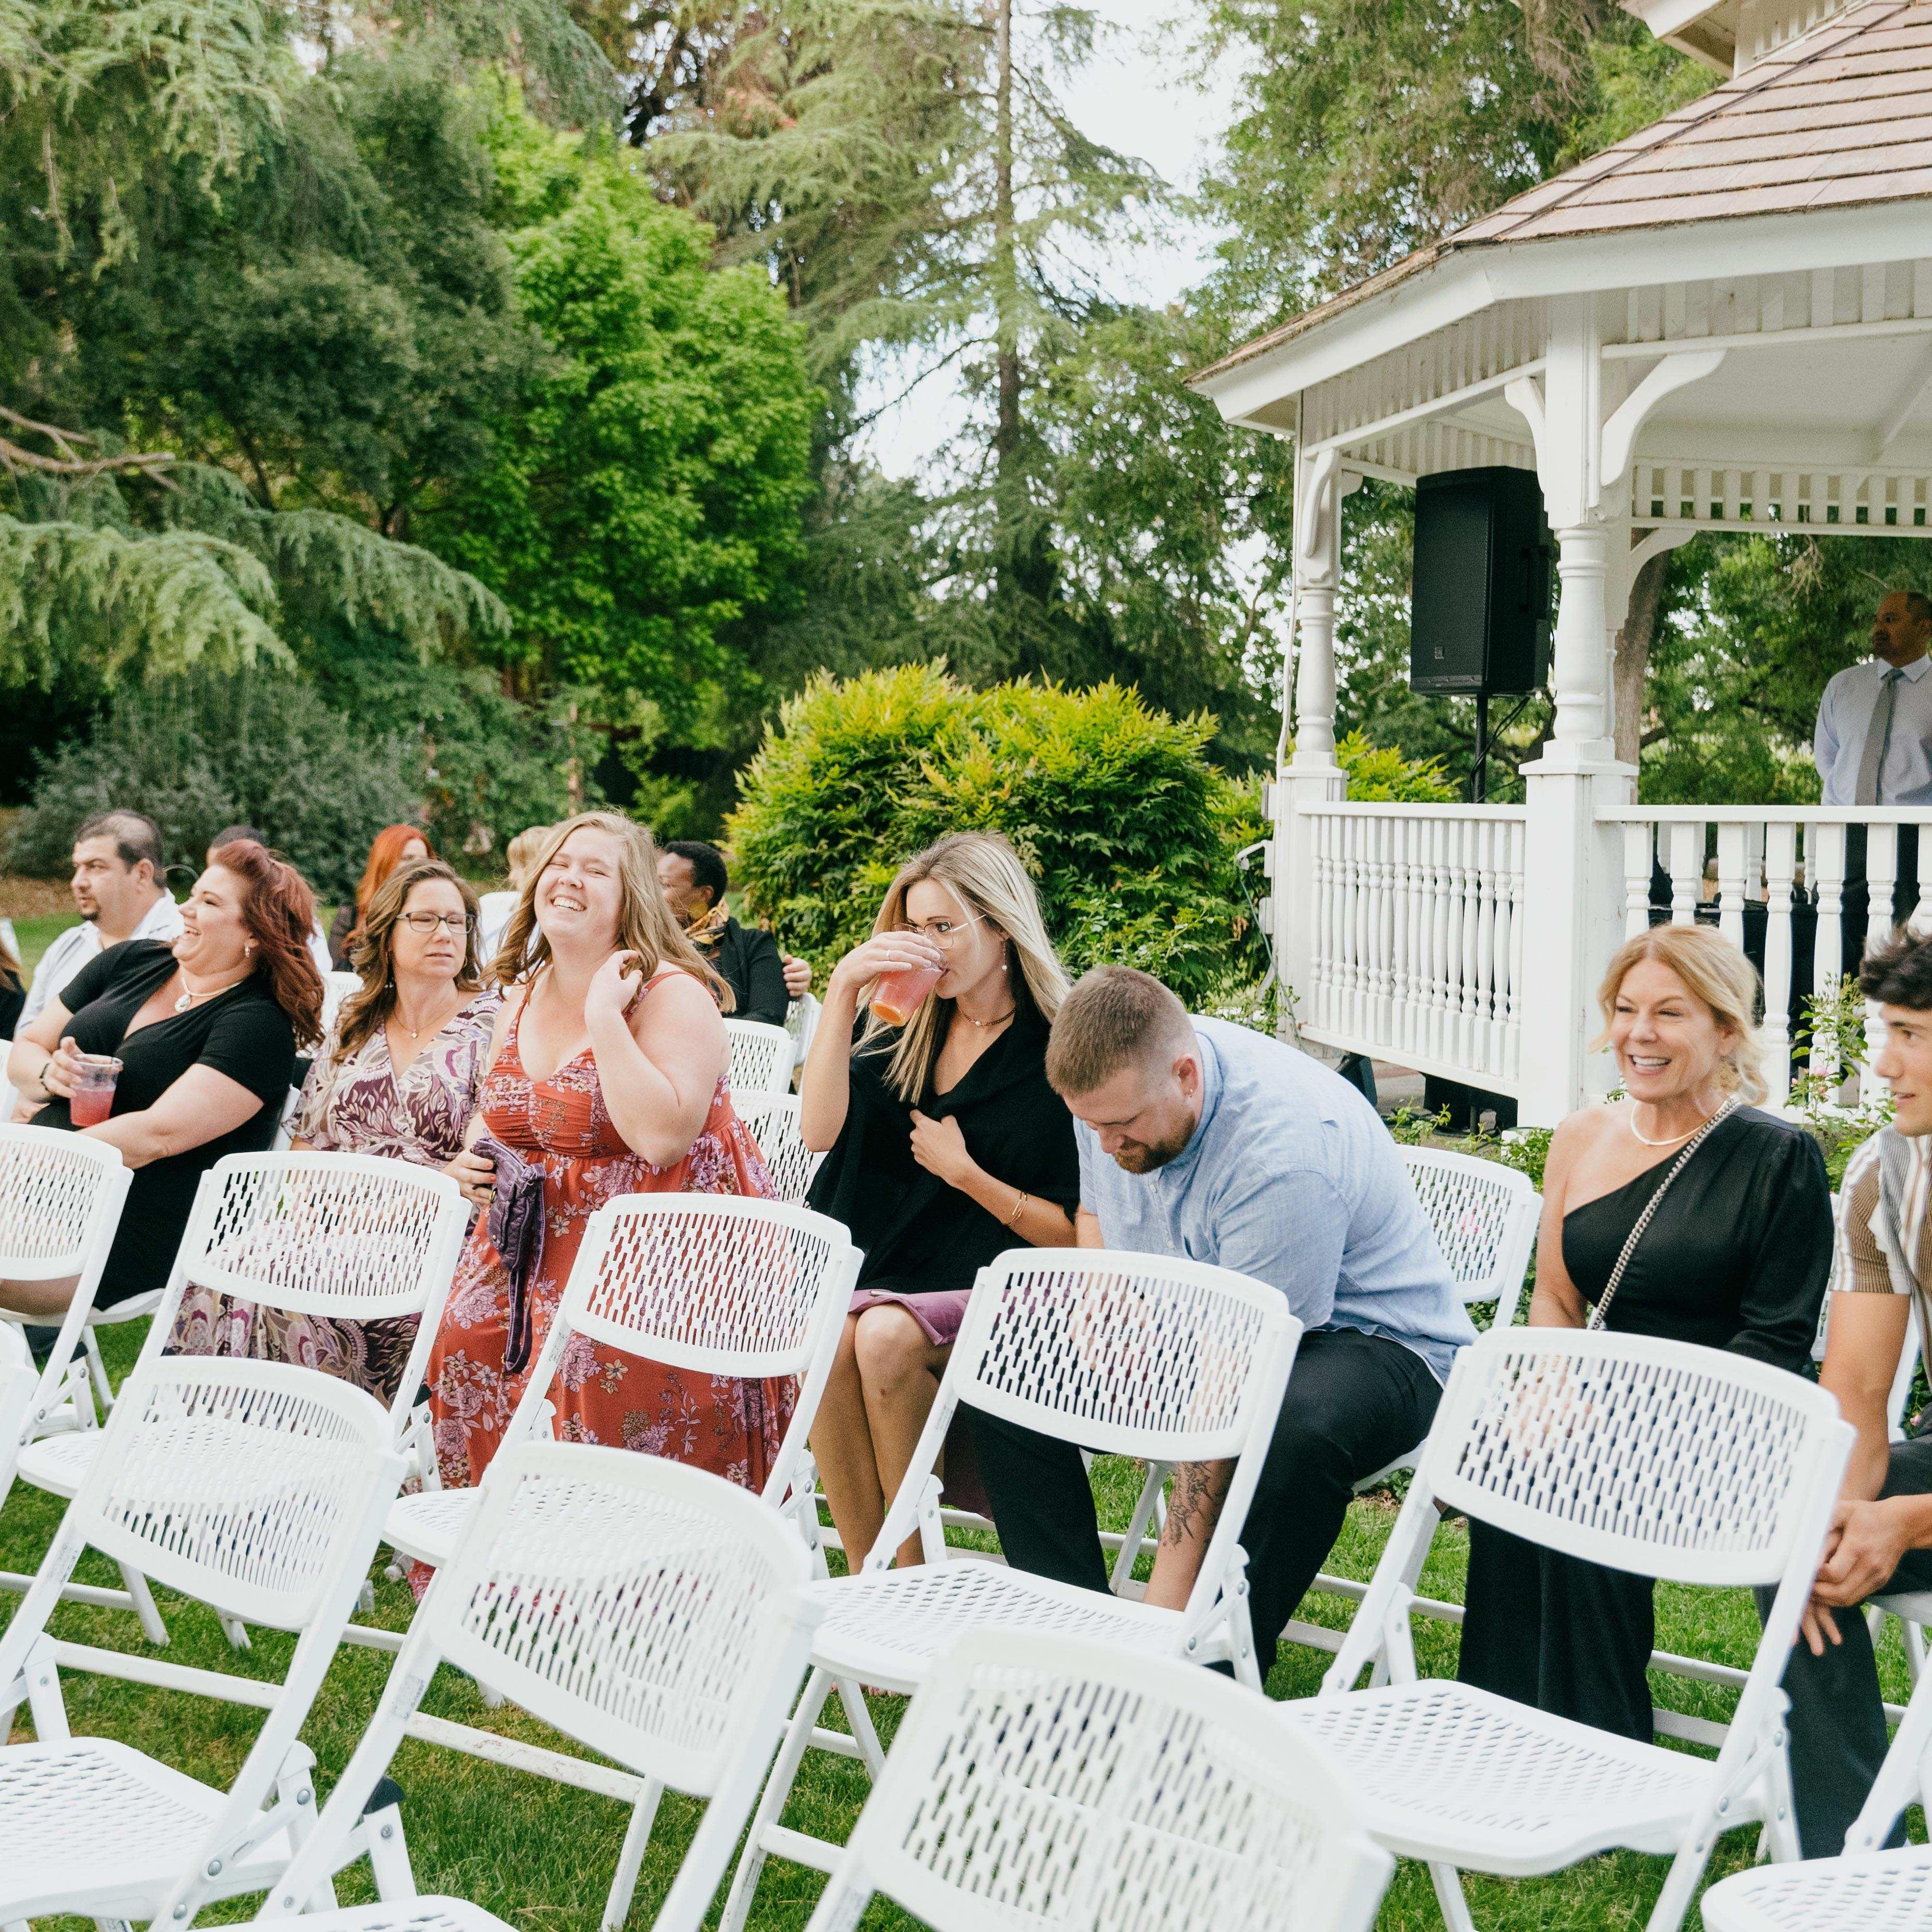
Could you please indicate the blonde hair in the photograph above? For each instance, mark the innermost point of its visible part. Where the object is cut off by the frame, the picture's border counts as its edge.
(520, 855)
(645, 925)
(986, 874)
(1718, 976)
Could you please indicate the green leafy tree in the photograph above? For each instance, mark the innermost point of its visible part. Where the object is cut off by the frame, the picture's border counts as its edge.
(642, 501)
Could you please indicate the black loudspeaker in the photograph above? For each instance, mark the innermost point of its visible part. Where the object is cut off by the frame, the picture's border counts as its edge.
(1479, 615)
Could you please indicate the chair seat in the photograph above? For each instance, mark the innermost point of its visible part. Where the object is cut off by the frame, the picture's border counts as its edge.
(1883, 1891)
(1447, 1771)
(431, 1914)
(1914, 1607)
(886, 1629)
(427, 1524)
(94, 1827)
(59, 1464)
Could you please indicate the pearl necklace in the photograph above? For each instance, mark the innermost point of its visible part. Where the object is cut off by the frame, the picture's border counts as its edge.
(1645, 1139)
(189, 996)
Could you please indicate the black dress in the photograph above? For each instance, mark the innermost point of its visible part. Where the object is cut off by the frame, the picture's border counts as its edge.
(922, 1237)
(1737, 1257)
(241, 1033)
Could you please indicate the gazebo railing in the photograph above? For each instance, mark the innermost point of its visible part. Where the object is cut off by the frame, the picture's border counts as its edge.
(1778, 893)
(1416, 951)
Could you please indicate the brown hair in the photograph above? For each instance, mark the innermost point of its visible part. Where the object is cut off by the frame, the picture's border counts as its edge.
(385, 854)
(645, 926)
(1114, 1017)
(1718, 976)
(278, 909)
(368, 1008)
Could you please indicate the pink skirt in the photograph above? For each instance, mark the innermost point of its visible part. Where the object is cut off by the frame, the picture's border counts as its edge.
(939, 1315)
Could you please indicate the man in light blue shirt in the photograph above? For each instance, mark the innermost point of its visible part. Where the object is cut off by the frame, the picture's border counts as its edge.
(1872, 745)
(1205, 1140)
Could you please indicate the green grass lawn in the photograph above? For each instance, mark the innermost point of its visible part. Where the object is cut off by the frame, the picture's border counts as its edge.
(541, 1855)
(36, 935)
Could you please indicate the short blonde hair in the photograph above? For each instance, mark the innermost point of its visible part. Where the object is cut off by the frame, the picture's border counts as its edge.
(520, 855)
(1717, 976)
(645, 926)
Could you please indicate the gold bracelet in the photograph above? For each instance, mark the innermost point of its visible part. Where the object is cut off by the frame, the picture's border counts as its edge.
(1013, 1219)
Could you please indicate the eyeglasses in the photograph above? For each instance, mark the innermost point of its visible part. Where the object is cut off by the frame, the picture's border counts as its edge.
(940, 932)
(428, 921)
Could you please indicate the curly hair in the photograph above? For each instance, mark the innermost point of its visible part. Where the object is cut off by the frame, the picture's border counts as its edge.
(278, 909)
(368, 1008)
(1899, 973)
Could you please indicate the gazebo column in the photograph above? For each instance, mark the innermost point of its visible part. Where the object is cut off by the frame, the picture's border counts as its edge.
(1571, 911)
(1311, 776)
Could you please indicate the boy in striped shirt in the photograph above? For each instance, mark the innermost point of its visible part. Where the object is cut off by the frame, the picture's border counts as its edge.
(1881, 1536)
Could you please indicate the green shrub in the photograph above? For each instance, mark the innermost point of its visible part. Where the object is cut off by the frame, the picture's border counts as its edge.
(202, 752)
(1381, 775)
(1128, 830)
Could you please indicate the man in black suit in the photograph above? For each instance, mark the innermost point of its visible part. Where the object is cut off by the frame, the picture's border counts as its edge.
(747, 959)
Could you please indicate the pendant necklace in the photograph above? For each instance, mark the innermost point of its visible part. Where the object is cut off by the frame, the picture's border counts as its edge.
(188, 998)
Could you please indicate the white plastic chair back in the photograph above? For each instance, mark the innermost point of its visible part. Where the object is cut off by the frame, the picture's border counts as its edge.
(652, 1611)
(761, 1058)
(352, 1236)
(61, 1201)
(717, 1284)
(337, 987)
(19, 1379)
(773, 1124)
(1041, 1779)
(1901, 1379)
(1484, 1217)
(1691, 1464)
(1128, 1354)
(801, 1023)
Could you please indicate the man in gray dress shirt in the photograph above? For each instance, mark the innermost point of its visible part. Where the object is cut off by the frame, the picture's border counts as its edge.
(1872, 745)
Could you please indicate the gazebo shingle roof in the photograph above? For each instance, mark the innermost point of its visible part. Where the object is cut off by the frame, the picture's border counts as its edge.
(1841, 117)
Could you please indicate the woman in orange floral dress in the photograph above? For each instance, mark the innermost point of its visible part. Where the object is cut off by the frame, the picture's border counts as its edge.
(608, 1078)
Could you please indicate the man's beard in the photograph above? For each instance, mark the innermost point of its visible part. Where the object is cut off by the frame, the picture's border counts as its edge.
(1145, 1157)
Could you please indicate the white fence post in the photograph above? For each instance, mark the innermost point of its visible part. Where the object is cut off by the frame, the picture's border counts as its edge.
(1297, 903)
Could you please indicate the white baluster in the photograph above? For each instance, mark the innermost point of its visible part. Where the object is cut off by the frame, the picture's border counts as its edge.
(1731, 877)
(1825, 873)
(1518, 843)
(1639, 854)
(1687, 871)
(1382, 929)
(1323, 961)
(1358, 925)
(1403, 949)
(1487, 1042)
(1882, 870)
(1469, 1033)
(1452, 1049)
(1439, 941)
(1780, 846)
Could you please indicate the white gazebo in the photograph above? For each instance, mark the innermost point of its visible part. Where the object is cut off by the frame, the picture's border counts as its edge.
(1722, 323)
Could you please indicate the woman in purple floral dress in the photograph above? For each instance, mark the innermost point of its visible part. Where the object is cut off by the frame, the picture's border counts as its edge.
(399, 1075)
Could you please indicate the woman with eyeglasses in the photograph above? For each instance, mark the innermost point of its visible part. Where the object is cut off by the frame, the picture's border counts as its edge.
(399, 1075)
(947, 1147)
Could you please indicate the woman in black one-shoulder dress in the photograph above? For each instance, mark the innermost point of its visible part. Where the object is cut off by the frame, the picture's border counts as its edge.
(1736, 1257)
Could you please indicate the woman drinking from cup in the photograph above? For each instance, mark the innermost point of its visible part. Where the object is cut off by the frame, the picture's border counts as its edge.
(399, 1076)
(607, 1077)
(1680, 1210)
(180, 1054)
(947, 1147)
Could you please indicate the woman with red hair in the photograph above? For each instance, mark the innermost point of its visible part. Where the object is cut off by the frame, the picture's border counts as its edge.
(393, 846)
(205, 1029)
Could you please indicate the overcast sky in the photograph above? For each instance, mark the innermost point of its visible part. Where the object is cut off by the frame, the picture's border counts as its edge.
(1133, 97)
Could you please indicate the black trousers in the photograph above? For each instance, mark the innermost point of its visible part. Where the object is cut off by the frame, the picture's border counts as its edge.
(1837, 1715)
(1569, 1637)
(1355, 1403)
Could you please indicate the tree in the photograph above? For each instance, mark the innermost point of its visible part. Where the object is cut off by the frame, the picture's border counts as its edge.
(642, 503)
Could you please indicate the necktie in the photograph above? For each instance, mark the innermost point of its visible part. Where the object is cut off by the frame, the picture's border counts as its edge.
(1878, 739)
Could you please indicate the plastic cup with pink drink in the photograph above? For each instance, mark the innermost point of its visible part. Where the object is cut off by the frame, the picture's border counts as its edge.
(898, 995)
(94, 1075)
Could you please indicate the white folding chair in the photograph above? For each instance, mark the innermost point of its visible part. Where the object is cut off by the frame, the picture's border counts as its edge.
(253, 1487)
(773, 1121)
(349, 1236)
(19, 1381)
(716, 1284)
(1046, 1781)
(652, 1611)
(1125, 1354)
(761, 1058)
(1885, 1891)
(1483, 1216)
(801, 1023)
(61, 1201)
(1691, 1464)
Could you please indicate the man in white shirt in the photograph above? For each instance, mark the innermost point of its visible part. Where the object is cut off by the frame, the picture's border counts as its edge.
(1872, 745)
(117, 886)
